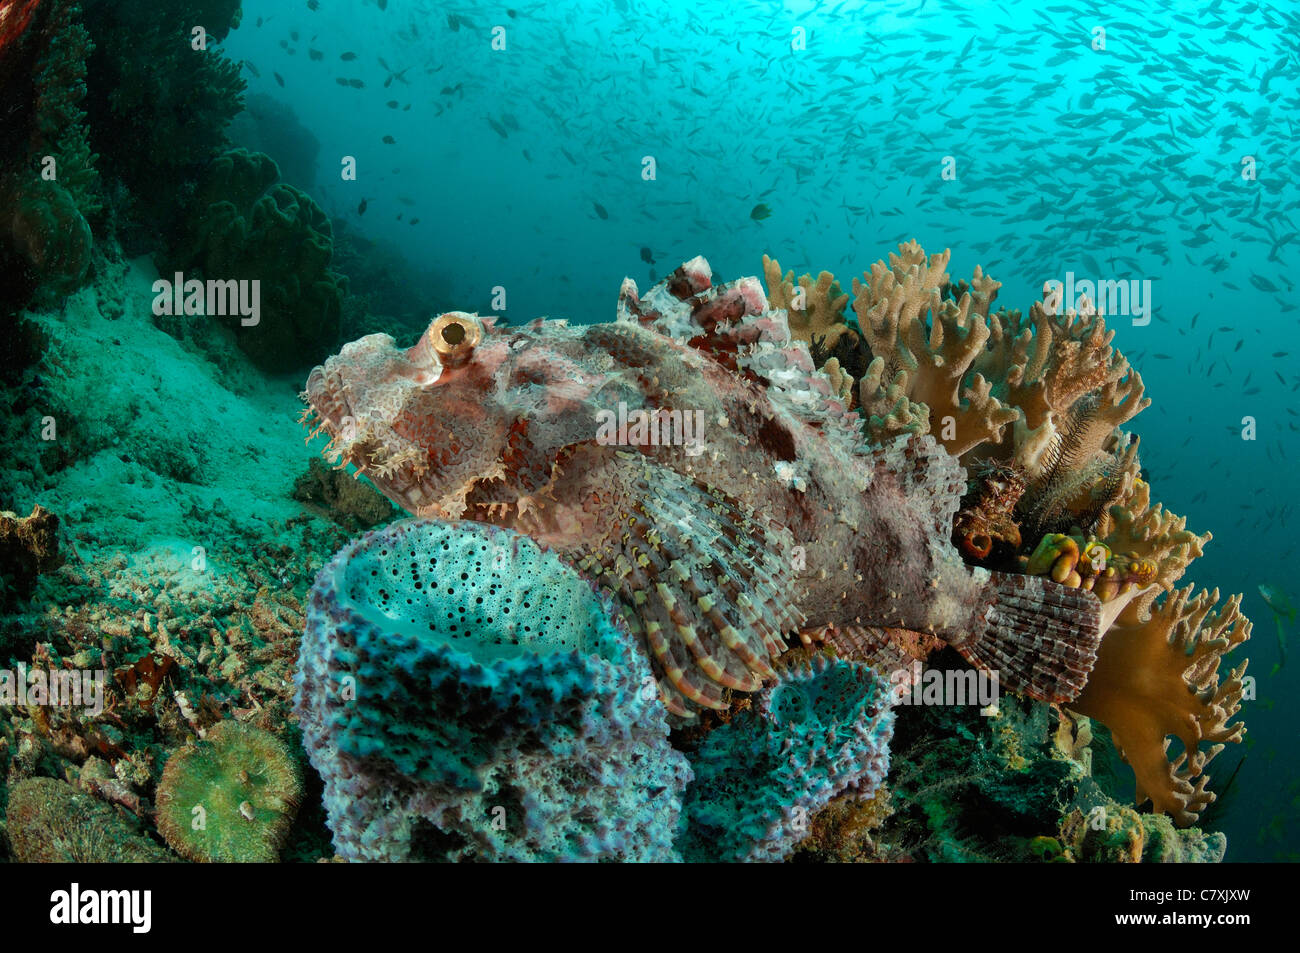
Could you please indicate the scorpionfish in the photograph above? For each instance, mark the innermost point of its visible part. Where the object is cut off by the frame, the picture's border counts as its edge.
(690, 459)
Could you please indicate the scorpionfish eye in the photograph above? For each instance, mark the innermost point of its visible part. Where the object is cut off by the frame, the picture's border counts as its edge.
(454, 335)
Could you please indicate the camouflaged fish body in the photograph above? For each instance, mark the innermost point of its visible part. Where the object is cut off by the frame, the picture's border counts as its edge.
(691, 458)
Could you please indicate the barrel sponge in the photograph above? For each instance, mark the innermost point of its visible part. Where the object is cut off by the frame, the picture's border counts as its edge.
(821, 731)
(466, 695)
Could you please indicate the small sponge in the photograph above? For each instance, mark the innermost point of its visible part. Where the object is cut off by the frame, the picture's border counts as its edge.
(822, 730)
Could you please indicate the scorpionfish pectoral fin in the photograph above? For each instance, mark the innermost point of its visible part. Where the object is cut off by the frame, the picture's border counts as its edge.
(706, 583)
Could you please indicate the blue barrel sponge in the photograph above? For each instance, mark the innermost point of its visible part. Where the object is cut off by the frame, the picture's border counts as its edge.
(465, 695)
(821, 731)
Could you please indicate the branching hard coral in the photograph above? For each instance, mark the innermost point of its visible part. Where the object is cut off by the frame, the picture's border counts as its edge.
(1160, 676)
(930, 364)
(1133, 525)
(229, 797)
(886, 406)
(60, 129)
(821, 317)
(942, 362)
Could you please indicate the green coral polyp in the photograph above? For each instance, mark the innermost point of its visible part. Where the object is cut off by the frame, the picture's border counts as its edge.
(229, 797)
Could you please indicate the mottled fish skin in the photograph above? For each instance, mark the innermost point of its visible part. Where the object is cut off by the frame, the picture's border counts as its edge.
(768, 517)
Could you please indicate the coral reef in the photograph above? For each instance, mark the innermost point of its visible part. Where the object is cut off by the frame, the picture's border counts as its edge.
(230, 796)
(1032, 407)
(1016, 785)
(822, 729)
(246, 225)
(465, 695)
(60, 131)
(50, 821)
(49, 188)
(157, 107)
(545, 740)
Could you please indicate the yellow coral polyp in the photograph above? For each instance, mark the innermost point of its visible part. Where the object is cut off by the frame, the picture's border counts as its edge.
(1090, 564)
(1056, 556)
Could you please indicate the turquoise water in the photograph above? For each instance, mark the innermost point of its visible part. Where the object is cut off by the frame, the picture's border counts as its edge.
(1113, 141)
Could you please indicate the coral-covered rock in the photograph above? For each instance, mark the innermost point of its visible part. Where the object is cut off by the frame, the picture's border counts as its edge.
(43, 237)
(50, 821)
(823, 729)
(465, 695)
(229, 797)
(157, 107)
(246, 225)
(28, 547)
(1122, 835)
(349, 501)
